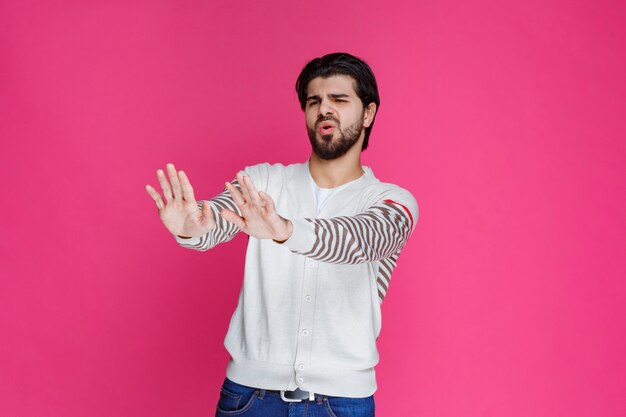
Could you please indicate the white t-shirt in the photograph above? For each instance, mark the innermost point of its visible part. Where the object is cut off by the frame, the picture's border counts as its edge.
(322, 195)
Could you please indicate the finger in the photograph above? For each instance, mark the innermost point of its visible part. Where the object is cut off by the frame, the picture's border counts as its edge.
(186, 187)
(254, 195)
(233, 218)
(165, 185)
(242, 186)
(269, 203)
(171, 172)
(155, 196)
(235, 194)
(207, 214)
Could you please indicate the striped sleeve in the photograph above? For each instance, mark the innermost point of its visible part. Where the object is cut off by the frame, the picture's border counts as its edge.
(223, 230)
(377, 233)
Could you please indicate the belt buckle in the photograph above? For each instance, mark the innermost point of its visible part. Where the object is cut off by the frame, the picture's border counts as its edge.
(296, 400)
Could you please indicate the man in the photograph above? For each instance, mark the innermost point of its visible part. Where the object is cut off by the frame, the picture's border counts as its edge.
(324, 238)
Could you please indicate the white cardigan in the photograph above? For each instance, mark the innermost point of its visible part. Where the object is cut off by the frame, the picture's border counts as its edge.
(309, 309)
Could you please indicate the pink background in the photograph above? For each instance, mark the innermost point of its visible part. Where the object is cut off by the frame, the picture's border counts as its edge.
(506, 120)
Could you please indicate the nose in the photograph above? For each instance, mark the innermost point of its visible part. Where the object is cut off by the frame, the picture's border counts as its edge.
(326, 107)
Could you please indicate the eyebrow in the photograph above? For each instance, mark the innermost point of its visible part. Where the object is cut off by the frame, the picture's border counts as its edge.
(336, 95)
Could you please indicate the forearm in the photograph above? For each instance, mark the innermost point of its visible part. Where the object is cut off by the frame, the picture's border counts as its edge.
(376, 234)
(222, 232)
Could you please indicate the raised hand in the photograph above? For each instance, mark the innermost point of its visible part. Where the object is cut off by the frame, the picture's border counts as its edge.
(180, 213)
(258, 213)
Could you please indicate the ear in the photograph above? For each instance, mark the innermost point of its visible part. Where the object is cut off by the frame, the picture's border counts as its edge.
(368, 114)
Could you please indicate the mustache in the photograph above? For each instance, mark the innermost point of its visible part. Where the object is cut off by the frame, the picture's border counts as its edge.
(322, 119)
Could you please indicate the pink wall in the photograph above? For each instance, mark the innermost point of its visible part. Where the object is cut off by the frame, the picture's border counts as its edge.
(506, 120)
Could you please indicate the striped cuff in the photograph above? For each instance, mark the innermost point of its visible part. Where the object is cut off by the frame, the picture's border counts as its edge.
(192, 241)
(302, 237)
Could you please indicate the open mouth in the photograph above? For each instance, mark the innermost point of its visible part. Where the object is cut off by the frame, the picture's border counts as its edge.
(327, 128)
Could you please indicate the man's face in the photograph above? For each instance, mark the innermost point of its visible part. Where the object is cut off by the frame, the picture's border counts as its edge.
(334, 115)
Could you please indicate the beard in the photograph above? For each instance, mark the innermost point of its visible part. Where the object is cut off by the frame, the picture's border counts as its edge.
(326, 148)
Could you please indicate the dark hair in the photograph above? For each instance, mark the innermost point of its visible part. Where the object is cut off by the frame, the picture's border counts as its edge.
(341, 63)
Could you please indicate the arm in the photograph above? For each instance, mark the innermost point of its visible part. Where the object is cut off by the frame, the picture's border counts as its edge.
(377, 233)
(195, 225)
(222, 232)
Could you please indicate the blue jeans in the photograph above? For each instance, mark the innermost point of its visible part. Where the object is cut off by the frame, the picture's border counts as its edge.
(240, 400)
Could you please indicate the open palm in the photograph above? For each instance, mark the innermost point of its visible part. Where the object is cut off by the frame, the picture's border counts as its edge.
(258, 217)
(180, 212)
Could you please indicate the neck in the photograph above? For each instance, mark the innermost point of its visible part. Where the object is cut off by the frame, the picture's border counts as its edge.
(335, 172)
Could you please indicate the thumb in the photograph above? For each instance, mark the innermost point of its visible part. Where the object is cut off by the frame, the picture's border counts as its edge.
(233, 218)
(271, 209)
(206, 215)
